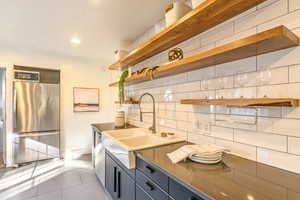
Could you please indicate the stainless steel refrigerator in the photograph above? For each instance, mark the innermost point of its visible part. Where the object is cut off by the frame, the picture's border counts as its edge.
(36, 119)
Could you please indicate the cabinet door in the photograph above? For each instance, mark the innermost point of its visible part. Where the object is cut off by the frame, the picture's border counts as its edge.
(125, 186)
(111, 175)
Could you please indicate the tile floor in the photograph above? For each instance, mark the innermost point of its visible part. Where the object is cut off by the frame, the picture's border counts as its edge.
(55, 180)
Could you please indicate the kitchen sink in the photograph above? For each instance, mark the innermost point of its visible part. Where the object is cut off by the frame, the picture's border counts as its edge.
(125, 133)
(123, 143)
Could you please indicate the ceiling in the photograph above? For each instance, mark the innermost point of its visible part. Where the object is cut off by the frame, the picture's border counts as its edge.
(46, 26)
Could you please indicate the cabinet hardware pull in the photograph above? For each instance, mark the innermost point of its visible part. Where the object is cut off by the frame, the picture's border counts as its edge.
(194, 198)
(150, 169)
(115, 179)
(151, 187)
(119, 185)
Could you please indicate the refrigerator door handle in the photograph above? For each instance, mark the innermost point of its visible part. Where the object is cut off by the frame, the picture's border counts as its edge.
(15, 108)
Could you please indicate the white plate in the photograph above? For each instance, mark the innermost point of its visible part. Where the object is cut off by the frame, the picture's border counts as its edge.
(207, 161)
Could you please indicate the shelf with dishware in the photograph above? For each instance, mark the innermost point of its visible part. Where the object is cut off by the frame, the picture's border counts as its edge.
(198, 20)
(271, 40)
(244, 102)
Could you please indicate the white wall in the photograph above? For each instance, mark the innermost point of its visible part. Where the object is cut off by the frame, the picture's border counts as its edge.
(75, 127)
(272, 135)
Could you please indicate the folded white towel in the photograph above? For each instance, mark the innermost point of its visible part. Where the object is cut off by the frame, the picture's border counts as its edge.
(190, 150)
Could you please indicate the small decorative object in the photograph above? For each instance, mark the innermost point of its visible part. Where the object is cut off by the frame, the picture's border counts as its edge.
(119, 54)
(86, 99)
(175, 11)
(120, 119)
(121, 86)
(129, 71)
(150, 72)
(175, 54)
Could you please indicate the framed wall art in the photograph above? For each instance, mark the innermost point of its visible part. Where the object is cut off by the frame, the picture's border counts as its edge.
(86, 99)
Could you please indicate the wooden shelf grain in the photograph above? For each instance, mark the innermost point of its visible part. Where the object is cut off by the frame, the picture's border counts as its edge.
(207, 15)
(275, 39)
(127, 102)
(114, 84)
(244, 102)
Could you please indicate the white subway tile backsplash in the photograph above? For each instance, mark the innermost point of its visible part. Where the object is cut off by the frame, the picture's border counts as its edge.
(294, 5)
(288, 127)
(294, 145)
(264, 77)
(274, 91)
(236, 36)
(269, 111)
(219, 83)
(203, 109)
(236, 93)
(279, 58)
(201, 74)
(209, 94)
(291, 21)
(200, 139)
(243, 111)
(219, 32)
(262, 15)
(235, 121)
(242, 150)
(266, 3)
(184, 126)
(271, 141)
(223, 110)
(291, 112)
(236, 67)
(278, 159)
(188, 87)
(294, 73)
(222, 132)
(182, 116)
(207, 118)
(167, 123)
(184, 107)
(166, 106)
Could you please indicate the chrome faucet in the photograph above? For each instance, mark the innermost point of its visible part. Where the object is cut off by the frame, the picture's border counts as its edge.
(153, 128)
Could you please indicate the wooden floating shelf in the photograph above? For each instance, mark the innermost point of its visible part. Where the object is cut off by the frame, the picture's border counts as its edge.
(127, 102)
(205, 16)
(268, 41)
(114, 84)
(244, 102)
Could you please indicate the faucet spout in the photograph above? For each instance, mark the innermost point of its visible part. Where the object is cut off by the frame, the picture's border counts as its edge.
(153, 128)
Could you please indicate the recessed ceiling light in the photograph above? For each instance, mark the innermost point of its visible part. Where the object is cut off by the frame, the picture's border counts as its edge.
(75, 41)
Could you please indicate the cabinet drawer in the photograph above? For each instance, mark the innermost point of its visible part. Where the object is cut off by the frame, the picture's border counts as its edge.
(150, 187)
(179, 192)
(153, 173)
(141, 195)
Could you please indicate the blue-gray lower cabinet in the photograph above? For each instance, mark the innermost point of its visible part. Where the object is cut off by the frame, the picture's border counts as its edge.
(146, 182)
(179, 192)
(117, 182)
(141, 194)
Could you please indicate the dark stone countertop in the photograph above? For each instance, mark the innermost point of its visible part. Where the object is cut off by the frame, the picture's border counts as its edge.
(100, 127)
(233, 179)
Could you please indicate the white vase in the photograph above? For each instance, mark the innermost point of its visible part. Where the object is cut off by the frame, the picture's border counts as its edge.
(196, 3)
(179, 10)
(119, 54)
(120, 119)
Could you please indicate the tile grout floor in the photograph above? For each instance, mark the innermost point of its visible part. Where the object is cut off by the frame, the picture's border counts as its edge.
(55, 180)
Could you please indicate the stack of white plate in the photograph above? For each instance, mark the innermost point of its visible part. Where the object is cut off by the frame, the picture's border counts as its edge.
(207, 158)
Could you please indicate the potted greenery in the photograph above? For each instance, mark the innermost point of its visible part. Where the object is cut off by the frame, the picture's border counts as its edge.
(124, 75)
